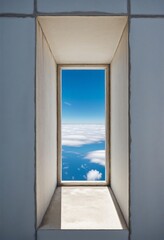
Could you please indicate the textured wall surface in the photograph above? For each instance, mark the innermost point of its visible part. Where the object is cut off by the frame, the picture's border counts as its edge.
(61, 6)
(16, 6)
(17, 118)
(119, 125)
(17, 114)
(147, 128)
(82, 234)
(46, 134)
(147, 7)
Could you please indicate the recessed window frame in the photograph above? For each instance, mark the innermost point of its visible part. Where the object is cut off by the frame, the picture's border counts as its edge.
(105, 67)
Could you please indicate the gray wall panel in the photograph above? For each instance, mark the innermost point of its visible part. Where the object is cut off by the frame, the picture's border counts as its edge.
(16, 6)
(147, 128)
(82, 235)
(17, 51)
(108, 6)
(147, 6)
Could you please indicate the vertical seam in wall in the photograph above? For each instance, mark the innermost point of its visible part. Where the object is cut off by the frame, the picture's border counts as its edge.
(35, 153)
(35, 7)
(129, 7)
(129, 113)
(127, 3)
(129, 116)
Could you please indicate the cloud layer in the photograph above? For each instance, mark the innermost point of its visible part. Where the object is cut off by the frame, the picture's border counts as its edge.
(67, 103)
(79, 135)
(94, 175)
(97, 156)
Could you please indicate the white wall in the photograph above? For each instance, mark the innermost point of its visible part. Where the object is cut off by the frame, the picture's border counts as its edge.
(83, 39)
(119, 125)
(46, 114)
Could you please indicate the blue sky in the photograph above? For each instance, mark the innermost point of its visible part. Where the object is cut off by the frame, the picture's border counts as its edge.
(83, 125)
(83, 96)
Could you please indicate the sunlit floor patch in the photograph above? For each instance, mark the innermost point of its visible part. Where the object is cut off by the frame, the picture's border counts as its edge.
(82, 208)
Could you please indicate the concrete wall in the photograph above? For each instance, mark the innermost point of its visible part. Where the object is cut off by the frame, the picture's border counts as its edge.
(82, 234)
(17, 66)
(119, 125)
(147, 128)
(17, 132)
(147, 7)
(78, 6)
(46, 134)
(16, 6)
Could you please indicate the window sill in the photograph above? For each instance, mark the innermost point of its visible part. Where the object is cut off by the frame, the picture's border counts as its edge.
(83, 209)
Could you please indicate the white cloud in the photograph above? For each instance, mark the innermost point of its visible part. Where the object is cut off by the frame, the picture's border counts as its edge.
(83, 166)
(77, 135)
(97, 156)
(67, 103)
(93, 175)
(73, 152)
(65, 167)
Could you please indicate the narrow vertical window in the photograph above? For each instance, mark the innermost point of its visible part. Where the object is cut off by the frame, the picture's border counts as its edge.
(83, 125)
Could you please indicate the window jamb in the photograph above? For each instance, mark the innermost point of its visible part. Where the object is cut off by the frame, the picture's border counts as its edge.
(106, 67)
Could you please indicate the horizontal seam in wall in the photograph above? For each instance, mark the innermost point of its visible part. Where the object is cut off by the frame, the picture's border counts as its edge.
(146, 16)
(80, 14)
(17, 15)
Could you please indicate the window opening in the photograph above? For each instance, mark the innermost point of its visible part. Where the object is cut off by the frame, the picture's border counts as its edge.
(83, 126)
